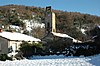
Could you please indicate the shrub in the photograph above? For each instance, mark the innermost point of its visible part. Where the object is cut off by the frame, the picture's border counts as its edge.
(4, 57)
(29, 49)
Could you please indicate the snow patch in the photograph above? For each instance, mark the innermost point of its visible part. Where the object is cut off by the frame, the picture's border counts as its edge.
(83, 31)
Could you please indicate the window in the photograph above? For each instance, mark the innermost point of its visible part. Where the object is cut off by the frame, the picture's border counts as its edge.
(48, 26)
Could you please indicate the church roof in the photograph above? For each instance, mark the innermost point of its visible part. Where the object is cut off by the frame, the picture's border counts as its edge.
(65, 36)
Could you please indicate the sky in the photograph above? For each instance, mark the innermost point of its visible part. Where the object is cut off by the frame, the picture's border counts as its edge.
(83, 6)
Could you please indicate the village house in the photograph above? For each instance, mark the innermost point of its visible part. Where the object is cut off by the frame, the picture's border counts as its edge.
(12, 40)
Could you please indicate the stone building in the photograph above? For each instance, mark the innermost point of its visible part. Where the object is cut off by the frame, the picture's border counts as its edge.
(50, 26)
(10, 41)
(50, 22)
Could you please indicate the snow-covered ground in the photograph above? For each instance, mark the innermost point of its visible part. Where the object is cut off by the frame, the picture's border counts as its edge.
(55, 61)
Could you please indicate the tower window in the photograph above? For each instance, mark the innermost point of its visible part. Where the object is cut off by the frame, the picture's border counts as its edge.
(48, 25)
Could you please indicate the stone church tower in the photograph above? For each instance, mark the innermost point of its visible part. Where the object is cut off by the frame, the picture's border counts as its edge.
(50, 22)
(50, 29)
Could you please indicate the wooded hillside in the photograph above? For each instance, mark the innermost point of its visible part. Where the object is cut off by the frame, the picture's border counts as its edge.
(67, 22)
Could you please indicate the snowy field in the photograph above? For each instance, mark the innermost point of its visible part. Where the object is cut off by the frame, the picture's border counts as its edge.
(55, 61)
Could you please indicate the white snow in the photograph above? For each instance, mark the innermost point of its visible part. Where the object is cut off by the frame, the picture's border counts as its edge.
(55, 61)
(30, 24)
(99, 26)
(65, 35)
(12, 54)
(94, 36)
(83, 31)
(18, 36)
(15, 27)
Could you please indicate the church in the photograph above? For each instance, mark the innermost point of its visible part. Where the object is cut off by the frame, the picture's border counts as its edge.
(50, 28)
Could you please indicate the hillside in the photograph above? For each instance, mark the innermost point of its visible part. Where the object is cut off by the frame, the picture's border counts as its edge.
(70, 23)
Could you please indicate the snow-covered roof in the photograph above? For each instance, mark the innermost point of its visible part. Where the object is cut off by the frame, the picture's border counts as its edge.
(65, 35)
(17, 36)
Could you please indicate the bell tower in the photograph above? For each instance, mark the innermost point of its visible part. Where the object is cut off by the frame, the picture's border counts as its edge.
(50, 24)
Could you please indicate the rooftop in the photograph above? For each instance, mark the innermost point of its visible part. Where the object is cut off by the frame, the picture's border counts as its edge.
(18, 36)
(66, 36)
